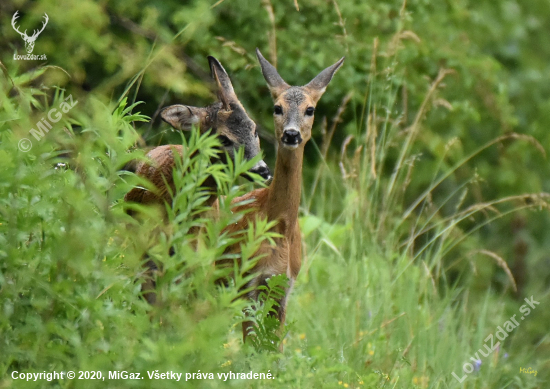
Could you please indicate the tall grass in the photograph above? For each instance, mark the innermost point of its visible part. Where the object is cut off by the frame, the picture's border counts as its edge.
(388, 277)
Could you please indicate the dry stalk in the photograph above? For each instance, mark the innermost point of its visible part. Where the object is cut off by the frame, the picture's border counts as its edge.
(405, 103)
(232, 45)
(429, 274)
(357, 159)
(535, 200)
(413, 129)
(528, 138)
(345, 144)
(337, 119)
(375, 44)
(501, 138)
(395, 43)
(372, 134)
(372, 75)
(271, 35)
(324, 125)
(341, 23)
(501, 263)
(415, 126)
(402, 10)
(216, 4)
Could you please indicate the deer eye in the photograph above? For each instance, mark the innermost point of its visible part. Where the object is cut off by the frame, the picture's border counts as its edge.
(278, 110)
(310, 111)
(226, 142)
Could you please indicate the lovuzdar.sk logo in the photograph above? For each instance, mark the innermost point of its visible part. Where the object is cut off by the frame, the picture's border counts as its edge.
(29, 40)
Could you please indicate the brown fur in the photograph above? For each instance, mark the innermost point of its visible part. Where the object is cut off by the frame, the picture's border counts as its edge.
(227, 118)
(280, 201)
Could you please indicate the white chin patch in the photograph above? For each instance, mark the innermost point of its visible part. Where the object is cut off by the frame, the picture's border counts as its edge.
(290, 147)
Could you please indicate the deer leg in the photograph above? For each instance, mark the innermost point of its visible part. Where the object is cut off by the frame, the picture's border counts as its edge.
(149, 285)
(280, 313)
(248, 326)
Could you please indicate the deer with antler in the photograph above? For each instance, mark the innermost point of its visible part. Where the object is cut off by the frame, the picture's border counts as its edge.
(293, 115)
(29, 40)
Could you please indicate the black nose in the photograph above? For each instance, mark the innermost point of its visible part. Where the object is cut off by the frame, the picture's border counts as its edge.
(291, 137)
(262, 170)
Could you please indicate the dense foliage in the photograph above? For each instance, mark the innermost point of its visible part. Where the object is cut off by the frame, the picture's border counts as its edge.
(424, 212)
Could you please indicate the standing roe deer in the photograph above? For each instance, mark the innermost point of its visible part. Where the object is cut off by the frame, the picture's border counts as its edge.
(294, 107)
(228, 119)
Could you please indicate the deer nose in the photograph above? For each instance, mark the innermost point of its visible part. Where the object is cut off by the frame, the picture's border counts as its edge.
(262, 170)
(291, 137)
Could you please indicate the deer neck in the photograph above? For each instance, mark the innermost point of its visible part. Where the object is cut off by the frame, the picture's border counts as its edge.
(285, 190)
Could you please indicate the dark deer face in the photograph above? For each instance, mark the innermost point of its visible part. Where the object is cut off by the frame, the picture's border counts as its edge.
(227, 118)
(294, 106)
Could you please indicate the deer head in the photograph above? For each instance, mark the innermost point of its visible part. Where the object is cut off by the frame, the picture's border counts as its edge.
(294, 106)
(29, 40)
(227, 118)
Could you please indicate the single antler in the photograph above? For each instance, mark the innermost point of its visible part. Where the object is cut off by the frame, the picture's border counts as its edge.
(43, 26)
(15, 16)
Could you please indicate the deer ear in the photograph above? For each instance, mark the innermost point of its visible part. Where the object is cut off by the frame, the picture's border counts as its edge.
(318, 85)
(226, 93)
(183, 117)
(275, 82)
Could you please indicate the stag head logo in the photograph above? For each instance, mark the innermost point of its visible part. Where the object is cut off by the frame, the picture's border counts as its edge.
(29, 40)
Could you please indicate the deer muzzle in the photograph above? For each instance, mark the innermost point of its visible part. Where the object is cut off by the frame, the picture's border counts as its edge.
(291, 138)
(262, 170)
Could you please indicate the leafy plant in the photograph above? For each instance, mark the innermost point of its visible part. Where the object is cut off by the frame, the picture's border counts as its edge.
(265, 335)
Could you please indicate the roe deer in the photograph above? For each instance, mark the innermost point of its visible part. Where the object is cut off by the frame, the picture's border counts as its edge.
(294, 107)
(228, 119)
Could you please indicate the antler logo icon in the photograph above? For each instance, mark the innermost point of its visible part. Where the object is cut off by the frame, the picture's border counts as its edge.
(29, 40)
